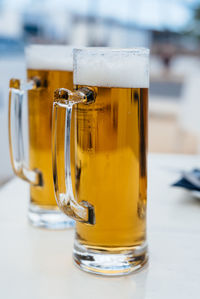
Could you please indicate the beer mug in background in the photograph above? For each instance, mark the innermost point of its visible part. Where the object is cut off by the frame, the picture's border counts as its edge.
(107, 195)
(48, 67)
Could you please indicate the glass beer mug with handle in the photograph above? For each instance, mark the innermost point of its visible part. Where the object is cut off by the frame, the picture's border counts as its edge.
(48, 67)
(107, 192)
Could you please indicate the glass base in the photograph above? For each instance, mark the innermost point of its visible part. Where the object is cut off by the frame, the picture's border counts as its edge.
(50, 219)
(105, 263)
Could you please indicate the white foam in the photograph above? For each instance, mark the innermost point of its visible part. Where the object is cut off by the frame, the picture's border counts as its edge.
(109, 67)
(49, 57)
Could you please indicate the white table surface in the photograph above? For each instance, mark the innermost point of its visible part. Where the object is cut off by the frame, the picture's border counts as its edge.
(37, 264)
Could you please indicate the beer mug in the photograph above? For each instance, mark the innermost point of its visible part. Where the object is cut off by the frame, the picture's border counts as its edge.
(48, 67)
(107, 192)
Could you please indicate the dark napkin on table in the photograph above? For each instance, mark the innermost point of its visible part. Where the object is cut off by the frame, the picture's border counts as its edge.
(190, 180)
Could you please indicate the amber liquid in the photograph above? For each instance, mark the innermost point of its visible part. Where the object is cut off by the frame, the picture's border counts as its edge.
(40, 103)
(111, 167)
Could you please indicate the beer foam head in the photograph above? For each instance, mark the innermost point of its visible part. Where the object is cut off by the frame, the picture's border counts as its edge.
(107, 67)
(49, 57)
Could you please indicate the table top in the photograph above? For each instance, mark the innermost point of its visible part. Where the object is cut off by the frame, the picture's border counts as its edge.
(37, 263)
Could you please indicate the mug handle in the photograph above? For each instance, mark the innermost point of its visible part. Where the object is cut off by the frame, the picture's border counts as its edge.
(65, 99)
(16, 143)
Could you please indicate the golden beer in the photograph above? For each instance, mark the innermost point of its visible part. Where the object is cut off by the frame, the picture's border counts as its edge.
(111, 170)
(40, 103)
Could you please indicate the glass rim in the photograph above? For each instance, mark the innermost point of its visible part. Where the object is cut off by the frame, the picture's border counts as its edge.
(52, 46)
(140, 51)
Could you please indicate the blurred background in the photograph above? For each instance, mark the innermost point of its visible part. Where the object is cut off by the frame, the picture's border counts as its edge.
(170, 28)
